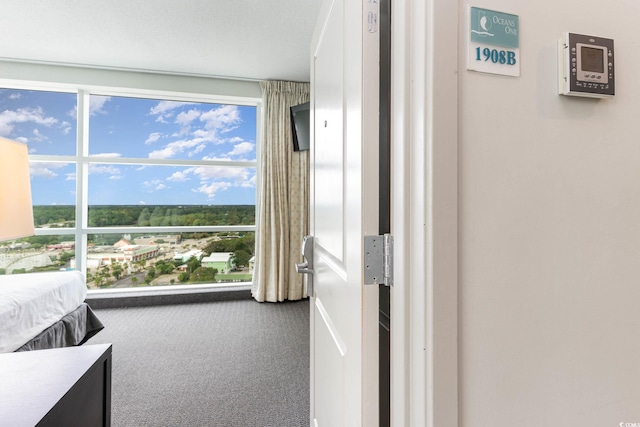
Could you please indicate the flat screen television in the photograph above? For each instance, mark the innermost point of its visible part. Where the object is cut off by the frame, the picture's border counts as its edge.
(300, 126)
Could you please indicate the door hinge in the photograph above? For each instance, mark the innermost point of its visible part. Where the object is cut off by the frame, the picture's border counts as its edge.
(378, 260)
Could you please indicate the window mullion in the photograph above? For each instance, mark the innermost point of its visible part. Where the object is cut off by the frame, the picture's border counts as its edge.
(82, 179)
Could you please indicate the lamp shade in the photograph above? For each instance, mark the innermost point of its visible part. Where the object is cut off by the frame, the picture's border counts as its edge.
(16, 210)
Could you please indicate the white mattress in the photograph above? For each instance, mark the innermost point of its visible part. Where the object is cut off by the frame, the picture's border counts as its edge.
(30, 303)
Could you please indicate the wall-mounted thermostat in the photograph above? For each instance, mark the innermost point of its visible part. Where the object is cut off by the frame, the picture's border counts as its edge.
(586, 66)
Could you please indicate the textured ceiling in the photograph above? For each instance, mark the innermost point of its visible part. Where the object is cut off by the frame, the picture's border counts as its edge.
(248, 39)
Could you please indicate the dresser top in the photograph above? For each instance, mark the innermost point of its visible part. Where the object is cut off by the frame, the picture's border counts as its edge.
(32, 382)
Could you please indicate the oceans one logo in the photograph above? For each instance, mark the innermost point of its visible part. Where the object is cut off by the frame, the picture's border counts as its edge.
(485, 25)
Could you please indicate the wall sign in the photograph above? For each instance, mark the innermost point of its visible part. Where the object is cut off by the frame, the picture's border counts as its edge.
(494, 42)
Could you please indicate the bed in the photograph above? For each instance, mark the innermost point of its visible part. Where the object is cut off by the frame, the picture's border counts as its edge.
(45, 310)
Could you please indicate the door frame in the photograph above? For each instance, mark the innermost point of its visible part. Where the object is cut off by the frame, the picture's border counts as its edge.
(424, 134)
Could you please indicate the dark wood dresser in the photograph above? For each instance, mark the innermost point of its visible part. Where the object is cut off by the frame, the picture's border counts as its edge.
(59, 387)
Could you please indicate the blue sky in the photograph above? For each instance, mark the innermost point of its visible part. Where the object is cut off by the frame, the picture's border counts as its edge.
(135, 128)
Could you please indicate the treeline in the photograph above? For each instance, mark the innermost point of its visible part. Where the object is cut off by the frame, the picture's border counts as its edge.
(55, 215)
(145, 216)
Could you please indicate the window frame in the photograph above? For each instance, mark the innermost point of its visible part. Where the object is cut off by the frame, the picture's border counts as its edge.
(82, 160)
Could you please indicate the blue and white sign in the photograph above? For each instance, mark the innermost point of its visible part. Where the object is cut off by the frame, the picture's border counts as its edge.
(494, 42)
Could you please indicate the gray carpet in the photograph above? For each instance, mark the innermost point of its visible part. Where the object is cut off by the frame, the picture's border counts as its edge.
(227, 364)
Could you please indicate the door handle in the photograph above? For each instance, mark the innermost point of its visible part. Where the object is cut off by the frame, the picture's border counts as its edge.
(303, 268)
(306, 267)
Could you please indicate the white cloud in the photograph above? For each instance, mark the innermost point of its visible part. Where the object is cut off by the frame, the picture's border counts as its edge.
(217, 158)
(71, 176)
(65, 127)
(209, 173)
(208, 135)
(166, 153)
(104, 170)
(15, 96)
(165, 106)
(211, 189)
(45, 170)
(199, 149)
(174, 148)
(107, 155)
(142, 202)
(37, 136)
(154, 185)
(155, 136)
(215, 179)
(222, 119)
(164, 110)
(185, 119)
(213, 123)
(250, 183)
(96, 104)
(242, 148)
(180, 176)
(9, 118)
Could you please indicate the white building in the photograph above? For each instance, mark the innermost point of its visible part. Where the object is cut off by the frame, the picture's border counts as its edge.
(184, 257)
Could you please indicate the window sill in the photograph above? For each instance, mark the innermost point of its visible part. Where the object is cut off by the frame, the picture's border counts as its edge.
(164, 295)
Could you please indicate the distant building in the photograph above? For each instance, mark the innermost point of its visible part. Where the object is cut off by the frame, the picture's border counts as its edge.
(184, 257)
(173, 239)
(121, 243)
(129, 253)
(222, 261)
(138, 253)
(62, 245)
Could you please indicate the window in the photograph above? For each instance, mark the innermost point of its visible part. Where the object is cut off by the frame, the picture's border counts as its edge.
(135, 191)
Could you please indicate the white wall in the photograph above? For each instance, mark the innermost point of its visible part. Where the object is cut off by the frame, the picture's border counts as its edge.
(34, 74)
(549, 230)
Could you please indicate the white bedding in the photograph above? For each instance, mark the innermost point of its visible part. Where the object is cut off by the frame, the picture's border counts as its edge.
(30, 303)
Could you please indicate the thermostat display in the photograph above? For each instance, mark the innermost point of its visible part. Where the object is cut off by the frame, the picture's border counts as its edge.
(585, 65)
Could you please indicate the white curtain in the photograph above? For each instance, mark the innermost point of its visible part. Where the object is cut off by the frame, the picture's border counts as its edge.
(283, 209)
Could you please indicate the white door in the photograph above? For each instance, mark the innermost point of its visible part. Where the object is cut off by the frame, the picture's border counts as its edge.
(344, 208)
